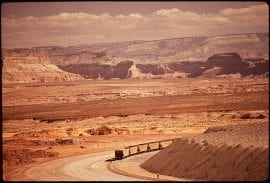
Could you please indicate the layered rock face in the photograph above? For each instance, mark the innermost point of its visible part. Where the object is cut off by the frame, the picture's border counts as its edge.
(31, 66)
(218, 56)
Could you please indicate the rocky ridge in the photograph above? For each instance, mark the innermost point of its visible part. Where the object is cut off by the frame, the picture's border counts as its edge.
(239, 55)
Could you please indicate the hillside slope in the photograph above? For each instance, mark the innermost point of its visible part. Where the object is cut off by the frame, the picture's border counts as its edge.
(237, 152)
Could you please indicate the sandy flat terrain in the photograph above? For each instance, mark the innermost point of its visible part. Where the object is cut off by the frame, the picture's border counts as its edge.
(89, 90)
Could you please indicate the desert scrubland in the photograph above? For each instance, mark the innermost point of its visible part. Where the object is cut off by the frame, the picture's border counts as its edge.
(47, 121)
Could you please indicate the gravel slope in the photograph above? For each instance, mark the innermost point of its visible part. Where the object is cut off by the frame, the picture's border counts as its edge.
(239, 152)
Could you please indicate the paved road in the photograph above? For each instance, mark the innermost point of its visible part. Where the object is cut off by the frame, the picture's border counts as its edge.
(90, 167)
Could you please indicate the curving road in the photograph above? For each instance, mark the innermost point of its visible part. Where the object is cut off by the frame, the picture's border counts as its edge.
(88, 167)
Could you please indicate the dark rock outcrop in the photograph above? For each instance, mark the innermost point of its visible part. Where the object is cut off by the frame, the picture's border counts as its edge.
(95, 71)
(230, 63)
(150, 68)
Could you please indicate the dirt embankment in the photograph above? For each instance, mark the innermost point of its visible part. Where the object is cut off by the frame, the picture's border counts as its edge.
(238, 152)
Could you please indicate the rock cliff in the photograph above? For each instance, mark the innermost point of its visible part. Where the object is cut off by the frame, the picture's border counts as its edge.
(216, 56)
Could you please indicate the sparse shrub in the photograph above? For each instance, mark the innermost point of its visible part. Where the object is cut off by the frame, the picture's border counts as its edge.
(64, 141)
(252, 116)
(214, 129)
(104, 130)
(91, 131)
(245, 116)
(69, 131)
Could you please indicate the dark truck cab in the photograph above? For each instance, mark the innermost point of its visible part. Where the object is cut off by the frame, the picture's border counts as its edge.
(119, 154)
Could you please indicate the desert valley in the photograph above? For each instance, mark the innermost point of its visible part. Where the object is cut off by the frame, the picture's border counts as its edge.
(211, 92)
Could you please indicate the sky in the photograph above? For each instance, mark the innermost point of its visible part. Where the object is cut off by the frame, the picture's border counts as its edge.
(30, 24)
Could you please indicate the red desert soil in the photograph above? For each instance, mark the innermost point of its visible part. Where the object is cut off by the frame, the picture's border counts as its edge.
(47, 121)
(235, 152)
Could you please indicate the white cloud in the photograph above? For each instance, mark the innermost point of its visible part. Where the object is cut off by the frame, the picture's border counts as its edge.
(252, 13)
(187, 16)
(84, 28)
(135, 15)
(255, 10)
(166, 12)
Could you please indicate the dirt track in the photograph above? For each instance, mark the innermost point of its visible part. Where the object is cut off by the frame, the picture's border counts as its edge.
(91, 167)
